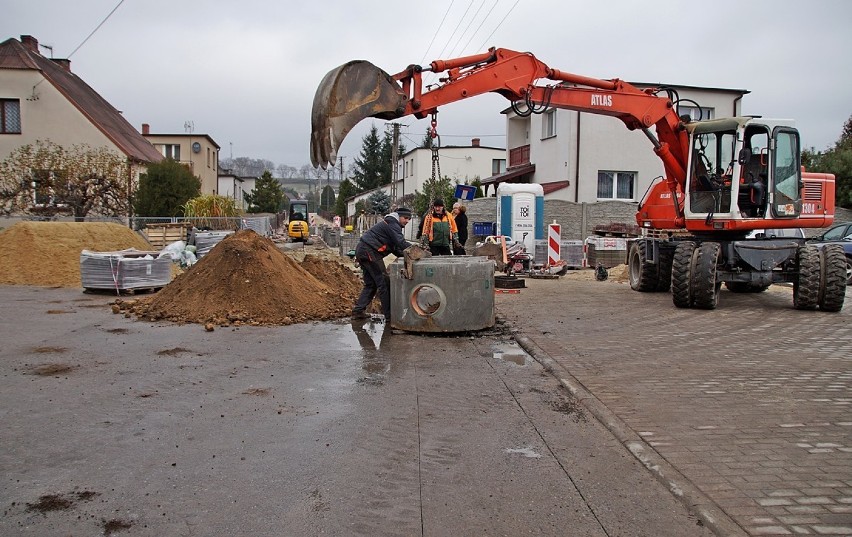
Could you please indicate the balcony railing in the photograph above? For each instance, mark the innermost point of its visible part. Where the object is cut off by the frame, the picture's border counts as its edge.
(519, 156)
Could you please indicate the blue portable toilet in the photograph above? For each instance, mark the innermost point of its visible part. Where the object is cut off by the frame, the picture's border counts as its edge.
(520, 209)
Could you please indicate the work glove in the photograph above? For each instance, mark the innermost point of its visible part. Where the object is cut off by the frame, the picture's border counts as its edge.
(424, 241)
(456, 244)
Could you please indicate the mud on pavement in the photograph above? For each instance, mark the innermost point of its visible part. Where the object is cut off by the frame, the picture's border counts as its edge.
(324, 428)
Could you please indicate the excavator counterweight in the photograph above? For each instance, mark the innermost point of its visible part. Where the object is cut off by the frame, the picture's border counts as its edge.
(347, 94)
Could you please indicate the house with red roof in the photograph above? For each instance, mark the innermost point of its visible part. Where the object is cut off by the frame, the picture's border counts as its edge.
(42, 99)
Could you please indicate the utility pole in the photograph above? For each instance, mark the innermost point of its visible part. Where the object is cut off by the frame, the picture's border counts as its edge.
(394, 163)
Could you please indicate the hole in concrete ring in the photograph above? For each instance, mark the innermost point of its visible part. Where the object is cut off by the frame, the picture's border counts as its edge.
(427, 299)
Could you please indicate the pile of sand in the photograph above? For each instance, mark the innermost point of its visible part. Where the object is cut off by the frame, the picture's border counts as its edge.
(48, 253)
(246, 279)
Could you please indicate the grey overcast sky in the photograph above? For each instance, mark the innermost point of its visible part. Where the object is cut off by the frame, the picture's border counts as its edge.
(245, 72)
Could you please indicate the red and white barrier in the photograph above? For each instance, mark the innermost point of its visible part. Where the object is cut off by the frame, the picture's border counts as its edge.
(553, 244)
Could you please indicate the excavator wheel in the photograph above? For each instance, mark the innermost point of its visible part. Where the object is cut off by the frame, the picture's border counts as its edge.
(682, 274)
(705, 287)
(833, 281)
(664, 280)
(806, 286)
(642, 274)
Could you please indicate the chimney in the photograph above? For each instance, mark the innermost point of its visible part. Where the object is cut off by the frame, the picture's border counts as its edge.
(30, 43)
(63, 63)
(474, 142)
(146, 129)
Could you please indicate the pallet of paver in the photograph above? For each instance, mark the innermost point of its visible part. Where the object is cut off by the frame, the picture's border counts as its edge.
(204, 241)
(608, 251)
(124, 270)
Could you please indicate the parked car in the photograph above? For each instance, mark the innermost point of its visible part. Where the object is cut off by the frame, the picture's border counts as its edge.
(838, 234)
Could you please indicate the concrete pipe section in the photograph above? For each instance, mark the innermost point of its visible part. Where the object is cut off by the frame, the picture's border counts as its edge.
(446, 294)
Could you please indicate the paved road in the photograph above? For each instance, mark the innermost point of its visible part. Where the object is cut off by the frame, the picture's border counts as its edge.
(117, 426)
(747, 406)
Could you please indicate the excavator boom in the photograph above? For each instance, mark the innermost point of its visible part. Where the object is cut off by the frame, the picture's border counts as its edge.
(358, 90)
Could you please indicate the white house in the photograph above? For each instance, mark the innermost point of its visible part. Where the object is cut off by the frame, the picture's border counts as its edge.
(585, 157)
(235, 187)
(462, 164)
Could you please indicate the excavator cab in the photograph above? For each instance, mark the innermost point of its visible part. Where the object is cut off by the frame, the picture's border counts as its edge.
(742, 172)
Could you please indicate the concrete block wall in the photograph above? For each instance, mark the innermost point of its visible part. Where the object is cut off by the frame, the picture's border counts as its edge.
(578, 220)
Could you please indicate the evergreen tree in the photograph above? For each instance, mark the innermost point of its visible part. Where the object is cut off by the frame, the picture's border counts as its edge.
(374, 167)
(378, 203)
(347, 190)
(367, 171)
(267, 196)
(478, 184)
(327, 198)
(164, 189)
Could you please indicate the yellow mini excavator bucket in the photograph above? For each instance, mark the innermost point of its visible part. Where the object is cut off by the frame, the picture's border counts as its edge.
(347, 94)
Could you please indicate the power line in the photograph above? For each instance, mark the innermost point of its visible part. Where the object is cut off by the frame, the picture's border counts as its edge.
(96, 28)
(425, 54)
(480, 26)
(469, 24)
(499, 24)
(456, 29)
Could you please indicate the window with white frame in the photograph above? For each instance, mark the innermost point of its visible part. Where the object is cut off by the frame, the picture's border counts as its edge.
(697, 113)
(43, 192)
(498, 165)
(613, 185)
(10, 116)
(548, 124)
(171, 151)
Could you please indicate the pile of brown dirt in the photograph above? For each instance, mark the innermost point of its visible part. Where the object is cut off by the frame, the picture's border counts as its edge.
(48, 253)
(246, 279)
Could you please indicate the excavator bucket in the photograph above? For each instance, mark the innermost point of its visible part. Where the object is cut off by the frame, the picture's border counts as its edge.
(347, 94)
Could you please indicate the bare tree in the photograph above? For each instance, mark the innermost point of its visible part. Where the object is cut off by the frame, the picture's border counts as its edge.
(48, 179)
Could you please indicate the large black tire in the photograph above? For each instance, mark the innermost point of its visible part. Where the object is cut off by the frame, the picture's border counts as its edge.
(643, 275)
(833, 281)
(682, 274)
(664, 281)
(705, 287)
(807, 284)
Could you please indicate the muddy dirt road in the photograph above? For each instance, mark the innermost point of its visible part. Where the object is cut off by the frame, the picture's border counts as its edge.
(117, 426)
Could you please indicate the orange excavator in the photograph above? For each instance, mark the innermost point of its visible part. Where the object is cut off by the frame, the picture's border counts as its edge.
(723, 177)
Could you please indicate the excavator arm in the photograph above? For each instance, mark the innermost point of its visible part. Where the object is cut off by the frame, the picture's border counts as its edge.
(358, 90)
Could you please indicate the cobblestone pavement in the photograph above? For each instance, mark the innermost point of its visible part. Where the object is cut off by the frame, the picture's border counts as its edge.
(749, 402)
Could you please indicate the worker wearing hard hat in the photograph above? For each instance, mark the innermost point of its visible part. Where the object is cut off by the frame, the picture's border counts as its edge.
(375, 244)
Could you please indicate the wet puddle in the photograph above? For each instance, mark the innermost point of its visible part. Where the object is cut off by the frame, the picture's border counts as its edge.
(511, 352)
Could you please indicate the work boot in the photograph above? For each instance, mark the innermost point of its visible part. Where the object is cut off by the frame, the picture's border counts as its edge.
(359, 315)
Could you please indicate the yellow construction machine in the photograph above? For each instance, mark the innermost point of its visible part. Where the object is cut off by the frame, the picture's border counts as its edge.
(297, 226)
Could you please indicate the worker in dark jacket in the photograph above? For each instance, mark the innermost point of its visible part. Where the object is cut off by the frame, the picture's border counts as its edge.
(375, 244)
(460, 216)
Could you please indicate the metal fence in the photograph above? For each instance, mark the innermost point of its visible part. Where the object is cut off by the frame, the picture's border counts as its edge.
(262, 225)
